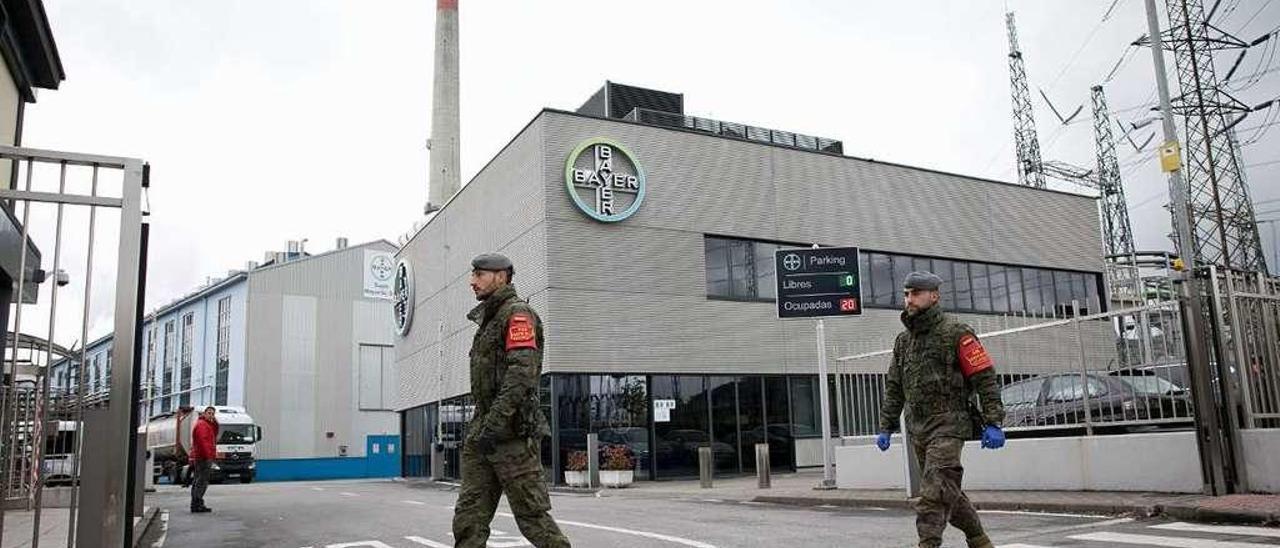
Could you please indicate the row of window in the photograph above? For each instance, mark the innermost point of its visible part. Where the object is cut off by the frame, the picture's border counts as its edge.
(743, 269)
(182, 360)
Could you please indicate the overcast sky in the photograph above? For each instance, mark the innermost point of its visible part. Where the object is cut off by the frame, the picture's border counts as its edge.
(266, 121)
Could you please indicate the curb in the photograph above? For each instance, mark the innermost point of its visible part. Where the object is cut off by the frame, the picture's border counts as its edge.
(143, 527)
(1096, 509)
(1243, 517)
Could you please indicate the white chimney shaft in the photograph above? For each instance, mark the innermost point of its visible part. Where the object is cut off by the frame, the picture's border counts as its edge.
(444, 178)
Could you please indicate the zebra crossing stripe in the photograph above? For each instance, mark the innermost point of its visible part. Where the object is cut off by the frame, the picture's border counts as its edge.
(1168, 542)
(1220, 529)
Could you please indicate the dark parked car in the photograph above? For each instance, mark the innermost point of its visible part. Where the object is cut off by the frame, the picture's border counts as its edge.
(1059, 400)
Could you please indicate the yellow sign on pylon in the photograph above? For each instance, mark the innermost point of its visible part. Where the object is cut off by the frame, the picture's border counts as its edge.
(1170, 156)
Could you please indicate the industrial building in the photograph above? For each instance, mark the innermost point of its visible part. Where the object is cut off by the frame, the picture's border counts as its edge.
(303, 342)
(644, 238)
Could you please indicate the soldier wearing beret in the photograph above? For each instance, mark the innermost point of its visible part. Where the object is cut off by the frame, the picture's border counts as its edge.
(938, 366)
(500, 452)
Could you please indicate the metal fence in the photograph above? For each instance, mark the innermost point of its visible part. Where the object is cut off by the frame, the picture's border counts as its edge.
(72, 212)
(1246, 307)
(1122, 370)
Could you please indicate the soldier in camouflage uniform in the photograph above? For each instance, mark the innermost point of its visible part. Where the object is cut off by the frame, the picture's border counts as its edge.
(938, 366)
(500, 453)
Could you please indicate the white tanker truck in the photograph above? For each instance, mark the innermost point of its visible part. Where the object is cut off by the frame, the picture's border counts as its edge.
(169, 441)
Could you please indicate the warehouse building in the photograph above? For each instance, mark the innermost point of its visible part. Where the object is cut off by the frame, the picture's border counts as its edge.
(644, 237)
(303, 342)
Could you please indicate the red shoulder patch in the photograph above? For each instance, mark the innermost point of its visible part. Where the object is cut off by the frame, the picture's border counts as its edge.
(520, 332)
(973, 357)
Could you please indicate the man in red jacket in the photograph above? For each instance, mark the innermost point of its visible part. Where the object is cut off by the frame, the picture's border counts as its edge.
(203, 450)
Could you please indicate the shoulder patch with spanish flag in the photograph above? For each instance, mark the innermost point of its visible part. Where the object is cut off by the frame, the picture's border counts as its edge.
(520, 332)
(973, 357)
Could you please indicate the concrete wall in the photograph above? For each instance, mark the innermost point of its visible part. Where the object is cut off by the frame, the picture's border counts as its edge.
(1262, 459)
(500, 210)
(1162, 462)
(307, 321)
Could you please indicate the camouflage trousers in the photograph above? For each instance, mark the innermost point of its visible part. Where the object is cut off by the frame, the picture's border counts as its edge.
(515, 469)
(941, 500)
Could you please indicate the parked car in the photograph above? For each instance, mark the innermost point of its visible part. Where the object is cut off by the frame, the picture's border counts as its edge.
(686, 441)
(1059, 400)
(1165, 398)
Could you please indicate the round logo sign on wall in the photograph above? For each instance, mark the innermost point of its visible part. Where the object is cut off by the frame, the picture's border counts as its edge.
(402, 297)
(604, 180)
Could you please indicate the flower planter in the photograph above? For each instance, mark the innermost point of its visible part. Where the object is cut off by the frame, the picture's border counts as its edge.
(617, 478)
(576, 478)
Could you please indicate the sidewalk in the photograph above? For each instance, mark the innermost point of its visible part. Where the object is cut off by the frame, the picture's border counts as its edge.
(53, 527)
(798, 490)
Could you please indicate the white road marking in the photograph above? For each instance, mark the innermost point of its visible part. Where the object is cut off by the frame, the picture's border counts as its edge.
(164, 529)
(1169, 542)
(425, 542)
(317, 488)
(1045, 514)
(827, 506)
(361, 544)
(414, 502)
(1220, 529)
(646, 534)
(347, 494)
(1021, 546)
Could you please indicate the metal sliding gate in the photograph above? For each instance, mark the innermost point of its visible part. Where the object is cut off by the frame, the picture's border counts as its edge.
(80, 222)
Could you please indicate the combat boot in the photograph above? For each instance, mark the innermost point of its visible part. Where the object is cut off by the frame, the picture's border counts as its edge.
(980, 541)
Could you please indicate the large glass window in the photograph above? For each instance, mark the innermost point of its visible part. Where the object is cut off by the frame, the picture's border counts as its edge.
(963, 287)
(1014, 276)
(724, 423)
(679, 433)
(1048, 295)
(740, 269)
(222, 371)
(901, 267)
(882, 279)
(981, 287)
(943, 268)
(999, 289)
(1031, 285)
(778, 411)
(170, 334)
(717, 256)
(742, 272)
(804, 407)
(743, 269)
(184, 378)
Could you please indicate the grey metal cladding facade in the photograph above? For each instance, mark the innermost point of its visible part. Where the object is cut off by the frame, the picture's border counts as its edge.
(501, 209)
(631, 296)
(330, 283)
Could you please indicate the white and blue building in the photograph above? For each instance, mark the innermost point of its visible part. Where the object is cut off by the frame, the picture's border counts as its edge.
(302, 342)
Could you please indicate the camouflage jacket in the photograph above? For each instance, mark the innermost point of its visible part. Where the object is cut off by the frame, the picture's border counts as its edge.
(506, 364)
(937, 367)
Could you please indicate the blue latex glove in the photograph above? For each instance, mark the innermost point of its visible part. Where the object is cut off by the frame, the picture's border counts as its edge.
(992, 437)
(882, 441)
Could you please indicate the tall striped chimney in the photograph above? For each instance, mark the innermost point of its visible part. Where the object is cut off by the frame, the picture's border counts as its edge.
(444, 179)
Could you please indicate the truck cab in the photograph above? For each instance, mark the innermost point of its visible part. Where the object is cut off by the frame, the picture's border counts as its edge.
(237, 444)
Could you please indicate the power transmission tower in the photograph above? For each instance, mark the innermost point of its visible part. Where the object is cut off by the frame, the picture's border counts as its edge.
(1030, 166)
(1117, 232)
(1224, 231)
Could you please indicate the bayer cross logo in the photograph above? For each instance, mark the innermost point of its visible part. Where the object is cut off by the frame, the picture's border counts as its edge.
(382, 268)
(604, 180)
(791, 261)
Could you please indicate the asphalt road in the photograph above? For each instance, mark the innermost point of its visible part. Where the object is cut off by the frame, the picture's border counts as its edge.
(385, 514)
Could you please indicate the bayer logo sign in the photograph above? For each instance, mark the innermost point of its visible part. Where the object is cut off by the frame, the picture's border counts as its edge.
(791, 262)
